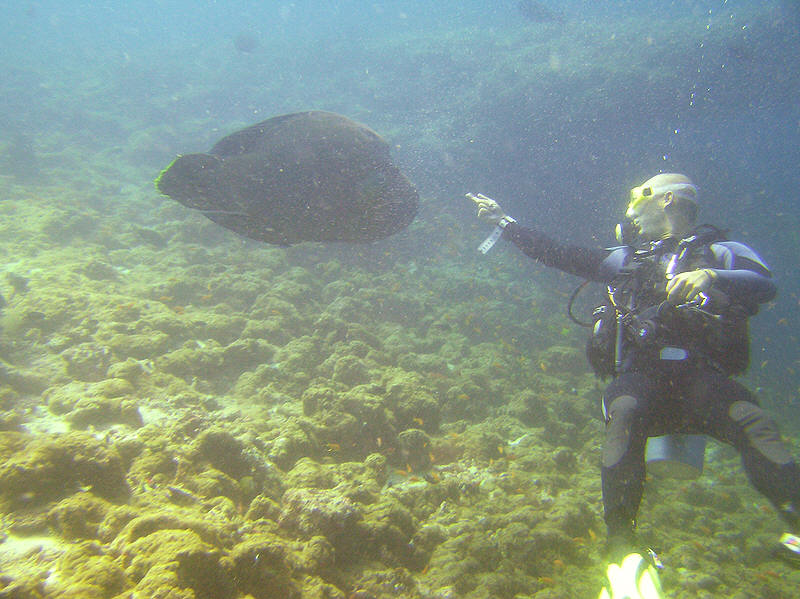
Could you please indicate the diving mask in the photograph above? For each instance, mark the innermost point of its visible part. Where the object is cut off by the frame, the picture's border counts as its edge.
(644, 193)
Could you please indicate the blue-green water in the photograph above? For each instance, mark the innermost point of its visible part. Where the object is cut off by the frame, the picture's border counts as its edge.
(119, 301)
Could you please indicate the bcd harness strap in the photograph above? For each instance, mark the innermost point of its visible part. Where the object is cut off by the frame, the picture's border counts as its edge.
(645, 327)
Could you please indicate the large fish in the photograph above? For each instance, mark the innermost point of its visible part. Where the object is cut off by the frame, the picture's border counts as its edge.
(307, 176)
(536, 12)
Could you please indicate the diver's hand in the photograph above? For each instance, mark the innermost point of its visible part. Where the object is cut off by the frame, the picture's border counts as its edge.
(686, 286)
(488, 209)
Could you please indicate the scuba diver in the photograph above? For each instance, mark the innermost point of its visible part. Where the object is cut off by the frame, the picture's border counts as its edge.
(671, 334)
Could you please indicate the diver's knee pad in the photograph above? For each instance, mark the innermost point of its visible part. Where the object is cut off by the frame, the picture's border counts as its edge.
(760, 430)
(620, 418)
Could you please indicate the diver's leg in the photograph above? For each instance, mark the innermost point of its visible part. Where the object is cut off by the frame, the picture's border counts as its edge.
(626, 406)
(725, 409)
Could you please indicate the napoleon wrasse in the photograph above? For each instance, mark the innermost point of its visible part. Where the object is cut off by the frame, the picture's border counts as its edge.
(306, 176)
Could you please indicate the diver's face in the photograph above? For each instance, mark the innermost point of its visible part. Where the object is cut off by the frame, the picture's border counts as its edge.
(646, 212)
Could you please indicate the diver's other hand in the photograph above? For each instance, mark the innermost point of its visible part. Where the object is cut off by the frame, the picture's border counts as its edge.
(488, 209)
(686, 286)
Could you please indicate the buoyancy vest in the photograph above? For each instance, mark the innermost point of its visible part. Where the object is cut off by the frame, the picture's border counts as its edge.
(714, 335)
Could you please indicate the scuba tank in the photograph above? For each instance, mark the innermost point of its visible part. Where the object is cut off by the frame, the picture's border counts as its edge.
(676, 456)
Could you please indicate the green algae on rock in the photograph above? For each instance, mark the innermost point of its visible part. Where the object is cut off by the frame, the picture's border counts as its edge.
(51, 467)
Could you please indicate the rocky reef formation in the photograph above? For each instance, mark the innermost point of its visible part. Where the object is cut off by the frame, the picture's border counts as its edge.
(187, 415)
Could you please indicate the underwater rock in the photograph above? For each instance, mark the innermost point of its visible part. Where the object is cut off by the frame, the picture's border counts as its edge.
(350, 309)
(208, 530)
(301, 354)
(530, 408)
(311, 512)
(117, 517)
(310, 474)
(169, 323)
(24, 588)
(113, 388)
(192, 361)
(263, 508)
(222, 328)
(162, 581)
(428, 537)
(357, 420)
(351, 371)
(564, 360)
(383, 584)
(293, 444)
(156, 464)
(318, 555)
(728, 501)
(255, 384)
(483, 444)
(209, 483)
(465, 401)
(223, 451)
(278, 329)
(149, 236)
(87, 361)
(18, 283)
(694, 582)
(376, 463)
(85, 571)
(142, 346)
(559, 432)
(64, 227)
(195, 563)
(411, 401)
(262, 567)
(244, 354)
(51, 467)
(130, 370)
(98, 270)
(536, 548)
(96, 404)
(102, 411)
(317, 397)
(415, 362)
(21, 380)
(78, 516)
(415, 448)
(387, 529)
(11, 420)
(565, 459)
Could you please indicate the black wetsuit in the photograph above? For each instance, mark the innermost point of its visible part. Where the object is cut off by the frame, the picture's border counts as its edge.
(649, 396)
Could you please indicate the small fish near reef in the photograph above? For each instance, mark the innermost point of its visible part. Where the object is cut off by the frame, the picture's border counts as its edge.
(306, 176)
(536, 12)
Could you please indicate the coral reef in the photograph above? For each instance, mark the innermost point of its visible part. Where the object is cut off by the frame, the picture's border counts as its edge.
(188, 415)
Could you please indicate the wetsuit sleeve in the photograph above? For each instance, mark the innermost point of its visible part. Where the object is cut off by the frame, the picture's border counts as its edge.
(741, 273)
(583, 262)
